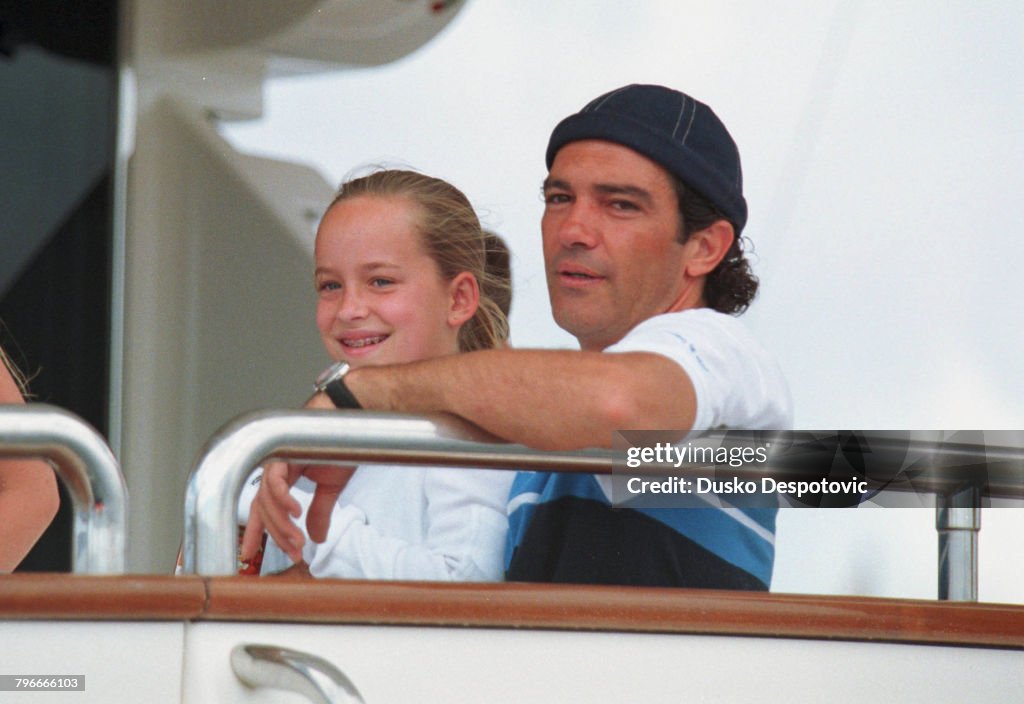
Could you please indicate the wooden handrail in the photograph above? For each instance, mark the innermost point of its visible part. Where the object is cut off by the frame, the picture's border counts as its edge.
(515, 606)
(103, 598)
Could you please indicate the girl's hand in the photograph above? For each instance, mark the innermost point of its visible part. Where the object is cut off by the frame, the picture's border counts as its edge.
(272, 510)
(274, 507)
(330, 482)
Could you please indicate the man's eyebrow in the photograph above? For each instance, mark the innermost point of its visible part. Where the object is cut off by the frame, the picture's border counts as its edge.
(641, 194)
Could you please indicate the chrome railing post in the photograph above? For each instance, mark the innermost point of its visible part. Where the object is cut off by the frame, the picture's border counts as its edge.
(958, 520)
(90, 472)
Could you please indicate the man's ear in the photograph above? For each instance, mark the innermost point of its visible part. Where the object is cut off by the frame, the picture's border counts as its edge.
(708, 247)
(464, 298)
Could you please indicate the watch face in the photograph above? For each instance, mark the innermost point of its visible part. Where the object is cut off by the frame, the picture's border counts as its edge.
(335, 371)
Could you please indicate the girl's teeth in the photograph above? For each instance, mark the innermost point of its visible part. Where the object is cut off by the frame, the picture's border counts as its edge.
(365, 341)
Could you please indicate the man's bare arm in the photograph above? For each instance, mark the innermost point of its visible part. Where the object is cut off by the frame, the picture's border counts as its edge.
(547, 399)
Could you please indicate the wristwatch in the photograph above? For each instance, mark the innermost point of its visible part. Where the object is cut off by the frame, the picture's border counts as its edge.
(332, 382)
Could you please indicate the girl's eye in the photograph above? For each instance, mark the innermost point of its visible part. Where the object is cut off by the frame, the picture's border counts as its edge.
(324, 286)
(379, 282)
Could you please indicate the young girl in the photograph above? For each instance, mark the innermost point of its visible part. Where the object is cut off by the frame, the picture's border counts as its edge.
(401, 276)
(28, 488)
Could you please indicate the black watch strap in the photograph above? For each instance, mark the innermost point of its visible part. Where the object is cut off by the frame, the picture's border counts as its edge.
(340, 394)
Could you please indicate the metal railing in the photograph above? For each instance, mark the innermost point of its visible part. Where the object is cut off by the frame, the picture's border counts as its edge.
(350, 437)
(90, 472)
(211, 499)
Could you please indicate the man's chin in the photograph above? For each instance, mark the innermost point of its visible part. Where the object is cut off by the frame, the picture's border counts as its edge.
(583, 327)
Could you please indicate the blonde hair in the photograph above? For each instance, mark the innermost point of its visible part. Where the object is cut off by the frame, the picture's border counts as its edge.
(454, 239)
(19, 379)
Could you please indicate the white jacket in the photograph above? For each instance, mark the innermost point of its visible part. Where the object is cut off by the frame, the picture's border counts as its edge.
(417, 523)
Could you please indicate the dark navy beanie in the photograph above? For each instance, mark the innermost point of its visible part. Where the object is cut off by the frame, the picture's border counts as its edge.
(672, 129)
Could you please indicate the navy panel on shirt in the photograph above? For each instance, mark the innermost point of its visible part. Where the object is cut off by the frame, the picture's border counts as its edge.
(562, 528)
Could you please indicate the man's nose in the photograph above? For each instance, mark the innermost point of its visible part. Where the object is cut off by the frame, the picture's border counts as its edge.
(579, 227)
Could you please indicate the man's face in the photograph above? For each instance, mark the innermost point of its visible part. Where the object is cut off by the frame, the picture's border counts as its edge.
(611, 251)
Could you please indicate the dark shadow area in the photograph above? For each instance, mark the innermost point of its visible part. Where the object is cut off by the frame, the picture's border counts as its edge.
(55, 307)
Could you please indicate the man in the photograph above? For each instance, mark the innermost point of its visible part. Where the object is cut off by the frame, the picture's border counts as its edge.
(643, 212)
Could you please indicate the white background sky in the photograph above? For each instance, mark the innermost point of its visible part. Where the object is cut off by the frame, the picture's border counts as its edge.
(883, 155)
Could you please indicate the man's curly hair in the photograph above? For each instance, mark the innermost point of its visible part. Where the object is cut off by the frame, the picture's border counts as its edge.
(732, 286)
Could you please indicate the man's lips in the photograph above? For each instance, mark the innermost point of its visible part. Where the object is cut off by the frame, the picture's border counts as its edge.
(574, 274)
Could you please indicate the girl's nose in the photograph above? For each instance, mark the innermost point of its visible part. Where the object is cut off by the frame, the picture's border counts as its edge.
(351, 305)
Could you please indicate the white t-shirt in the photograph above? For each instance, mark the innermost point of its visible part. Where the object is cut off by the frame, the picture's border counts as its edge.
(737, 383)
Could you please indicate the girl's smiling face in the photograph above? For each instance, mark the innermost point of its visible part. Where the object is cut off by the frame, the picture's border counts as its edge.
(381, 298)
